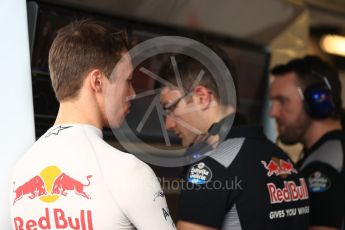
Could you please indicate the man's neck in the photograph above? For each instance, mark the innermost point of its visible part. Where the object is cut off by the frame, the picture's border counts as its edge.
(221, 113)
(77, 112)
(318, 129)
(216, 117)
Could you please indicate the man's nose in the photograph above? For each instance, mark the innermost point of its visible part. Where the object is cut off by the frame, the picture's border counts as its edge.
(274, 110)
(132, 91)
(170, 123)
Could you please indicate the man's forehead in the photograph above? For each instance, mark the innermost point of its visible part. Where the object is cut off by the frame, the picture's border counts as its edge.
(284, 85)
(287, 78)
(124, 66)
(285, 81)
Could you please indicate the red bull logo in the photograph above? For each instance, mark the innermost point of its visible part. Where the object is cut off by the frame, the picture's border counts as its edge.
(279, 167)
(49, 185)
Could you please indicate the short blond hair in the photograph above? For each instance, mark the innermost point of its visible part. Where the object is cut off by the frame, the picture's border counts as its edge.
(80, 47)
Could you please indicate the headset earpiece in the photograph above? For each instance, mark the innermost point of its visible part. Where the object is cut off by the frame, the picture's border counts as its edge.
(318, 101)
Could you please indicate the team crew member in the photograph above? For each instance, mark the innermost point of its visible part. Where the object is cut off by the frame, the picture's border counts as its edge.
(70, 178)
(306, 103)
(245, 182)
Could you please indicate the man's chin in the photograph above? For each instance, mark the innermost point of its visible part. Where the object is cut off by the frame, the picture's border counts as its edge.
(186, 144)
(288, 140)
(114, 124)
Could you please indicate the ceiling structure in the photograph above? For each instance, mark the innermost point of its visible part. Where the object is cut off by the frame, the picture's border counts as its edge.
(251, 20)
(257, 21)
(327, 13)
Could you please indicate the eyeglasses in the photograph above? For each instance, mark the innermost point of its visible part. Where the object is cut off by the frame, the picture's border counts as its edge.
(169, 108)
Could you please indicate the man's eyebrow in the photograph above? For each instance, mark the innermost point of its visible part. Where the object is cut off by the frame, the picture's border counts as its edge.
(277, 97)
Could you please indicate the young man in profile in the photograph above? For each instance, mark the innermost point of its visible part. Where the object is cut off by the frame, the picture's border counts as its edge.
(70, 178)
(245, 181)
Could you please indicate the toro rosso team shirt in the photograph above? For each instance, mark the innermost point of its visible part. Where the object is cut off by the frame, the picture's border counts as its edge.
(247, 182)
(72, 179)
(323, 167)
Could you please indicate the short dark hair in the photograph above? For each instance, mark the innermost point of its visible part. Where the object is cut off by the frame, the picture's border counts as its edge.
(310, 70)
(189, 68)
(79, 47)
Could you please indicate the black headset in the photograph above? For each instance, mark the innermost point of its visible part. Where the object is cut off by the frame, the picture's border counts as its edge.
(221, 128)
(318, 99)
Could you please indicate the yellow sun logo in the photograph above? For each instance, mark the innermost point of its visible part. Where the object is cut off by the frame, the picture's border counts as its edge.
(48, 175)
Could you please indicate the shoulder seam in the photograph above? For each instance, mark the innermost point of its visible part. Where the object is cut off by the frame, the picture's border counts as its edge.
(330, 153)
(227, 151)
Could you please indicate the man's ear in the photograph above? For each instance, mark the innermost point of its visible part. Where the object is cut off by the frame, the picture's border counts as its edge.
(203, 96)
(96, 80)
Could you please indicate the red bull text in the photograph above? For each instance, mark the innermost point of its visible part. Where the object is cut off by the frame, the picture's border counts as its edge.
(56, 219)
(290, 192)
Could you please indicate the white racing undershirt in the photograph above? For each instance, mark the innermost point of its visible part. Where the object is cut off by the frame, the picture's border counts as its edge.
(72, 179)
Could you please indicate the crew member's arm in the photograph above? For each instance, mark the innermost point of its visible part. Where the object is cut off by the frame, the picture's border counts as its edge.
(326, 191)
(183, 225)
(204, 197)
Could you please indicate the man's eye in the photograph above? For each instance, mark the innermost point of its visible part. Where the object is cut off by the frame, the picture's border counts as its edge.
(171, 107)
(167, 111)
(282, 101)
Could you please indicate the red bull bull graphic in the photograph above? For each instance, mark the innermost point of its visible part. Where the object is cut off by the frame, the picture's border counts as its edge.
(65, 182)
(50, 184)
(33, 188)
(279, 167)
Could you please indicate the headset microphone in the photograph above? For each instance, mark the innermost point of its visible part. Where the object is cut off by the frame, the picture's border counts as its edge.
(197, 150)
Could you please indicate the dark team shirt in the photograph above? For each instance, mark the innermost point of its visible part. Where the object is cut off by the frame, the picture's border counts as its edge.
(245, 183)
(323, 167)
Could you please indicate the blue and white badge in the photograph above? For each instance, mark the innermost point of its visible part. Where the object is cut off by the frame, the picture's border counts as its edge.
(318, 182)
(199, 174)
